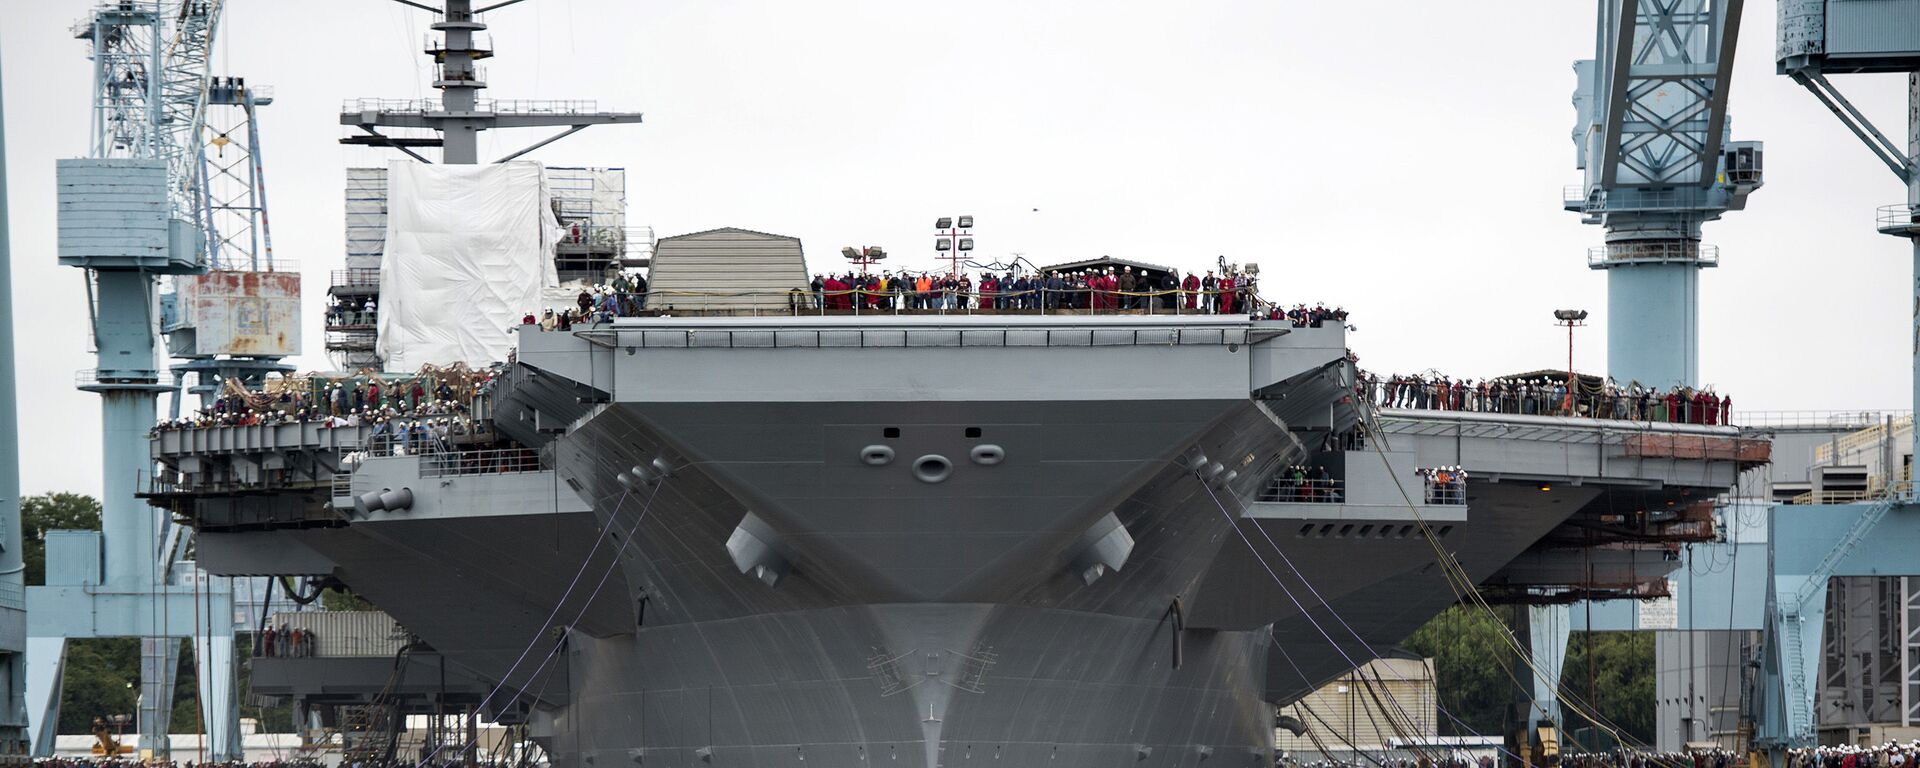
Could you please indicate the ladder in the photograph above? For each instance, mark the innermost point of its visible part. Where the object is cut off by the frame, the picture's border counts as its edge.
(1799, 697)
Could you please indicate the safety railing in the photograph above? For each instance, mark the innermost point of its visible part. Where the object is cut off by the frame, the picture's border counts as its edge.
(1547, 403)
(857, 302)
(495, 461)
(276, 266)
(1663, 252)
(497, 106)
(352, 320)
(352, 339)
(356, 278)
(1866, 437)
(477, 74)
(1833, 497)
(887, 335)
(1818, 418)
(1573, 196)
(1902, 219)
(1308, 490)
(1877, 488)
(608, 239)
(1636, 440)
(1447, 492)
(435, 45)
(413, 438)
(331, 634)
(1289, 490)
(1640, 199)
(91, 377)
(167, 483)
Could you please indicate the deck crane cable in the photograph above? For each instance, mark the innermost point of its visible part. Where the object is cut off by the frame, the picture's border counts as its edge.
(1260, 558)
(585, 605)
(1419, 751)
(1300, 704)
(1400, 729)
(547, 625)
(1463, 588)
(1465, 591)
(1322, 746)
(1457, 578)
(560, 642)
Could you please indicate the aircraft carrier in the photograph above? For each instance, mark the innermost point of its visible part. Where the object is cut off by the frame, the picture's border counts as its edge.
(749, 540)
(773, 533)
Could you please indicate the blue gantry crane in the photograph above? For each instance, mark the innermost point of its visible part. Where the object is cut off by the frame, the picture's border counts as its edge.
(13, 618)
(1652, 136)
(132, 215)
(1875, 537)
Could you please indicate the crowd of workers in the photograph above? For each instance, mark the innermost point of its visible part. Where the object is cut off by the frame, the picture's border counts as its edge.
(127, 762)
(623, 296)
(1301, 484)
(1091, 290)
(1454, 760)
(1633, 758)
(1891, 754)
(352, 311)
(1547, 396)
(1445, 485)
(452, 759)
(431, 406)
(281, 642)
(1083, 289)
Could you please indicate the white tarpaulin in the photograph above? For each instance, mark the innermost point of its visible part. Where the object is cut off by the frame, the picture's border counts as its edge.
(469, 248)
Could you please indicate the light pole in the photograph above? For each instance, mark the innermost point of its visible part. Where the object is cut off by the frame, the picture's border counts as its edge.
(1571, 318)
(952, 236)
(864, 257)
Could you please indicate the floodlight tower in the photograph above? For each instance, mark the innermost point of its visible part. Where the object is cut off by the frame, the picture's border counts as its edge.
(1652, 138)
(862, 258)
(460, 114)
(1571, 318)
(953, 240)
(127, 219)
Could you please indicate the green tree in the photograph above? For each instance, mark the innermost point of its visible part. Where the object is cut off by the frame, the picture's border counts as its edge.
(1618, 685)
(1473, 663)
(334, 599)
(102, 679)
(52, 512)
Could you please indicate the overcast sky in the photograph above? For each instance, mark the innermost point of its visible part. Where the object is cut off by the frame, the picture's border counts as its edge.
(1402, 159)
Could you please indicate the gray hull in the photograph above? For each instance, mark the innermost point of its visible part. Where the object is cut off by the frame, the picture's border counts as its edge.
(924, 542)
(919, 685)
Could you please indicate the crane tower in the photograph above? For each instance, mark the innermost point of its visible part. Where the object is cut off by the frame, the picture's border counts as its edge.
(132, 214)
(1652, 136)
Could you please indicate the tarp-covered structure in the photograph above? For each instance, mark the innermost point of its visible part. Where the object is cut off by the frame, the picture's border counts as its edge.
(468, 250)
